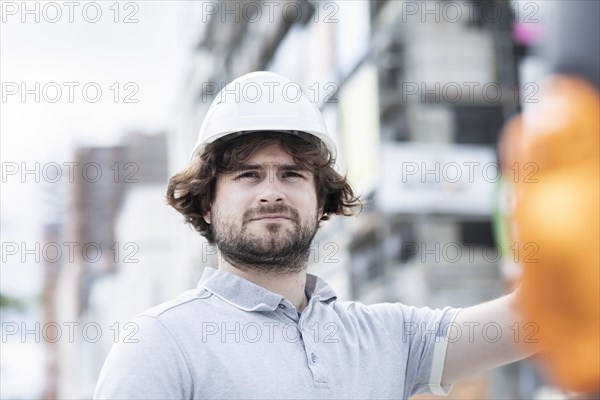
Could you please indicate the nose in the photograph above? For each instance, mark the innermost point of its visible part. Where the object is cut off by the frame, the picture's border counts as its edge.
(271, 193)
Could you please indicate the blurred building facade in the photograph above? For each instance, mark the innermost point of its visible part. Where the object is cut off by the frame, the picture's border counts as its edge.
(102, 237)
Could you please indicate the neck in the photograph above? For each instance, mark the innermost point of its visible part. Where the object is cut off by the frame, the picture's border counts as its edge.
(290, 285)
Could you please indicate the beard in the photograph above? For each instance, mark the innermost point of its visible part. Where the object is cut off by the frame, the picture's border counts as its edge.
(275, 247)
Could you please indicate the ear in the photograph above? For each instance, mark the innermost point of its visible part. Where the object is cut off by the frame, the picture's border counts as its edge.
(206, 213)
(321, 211)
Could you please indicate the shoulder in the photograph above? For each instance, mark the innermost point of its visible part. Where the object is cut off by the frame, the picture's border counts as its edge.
(395, 315)
(186, 302)
(172, 315)
(158, 331)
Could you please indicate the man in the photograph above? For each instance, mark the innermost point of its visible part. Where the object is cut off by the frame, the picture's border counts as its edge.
(261, 181)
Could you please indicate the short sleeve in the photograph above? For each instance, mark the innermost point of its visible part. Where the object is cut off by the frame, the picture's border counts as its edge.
(149, 366)
(422, 336)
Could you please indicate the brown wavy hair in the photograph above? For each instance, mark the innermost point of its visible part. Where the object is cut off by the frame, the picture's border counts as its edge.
(191, 191)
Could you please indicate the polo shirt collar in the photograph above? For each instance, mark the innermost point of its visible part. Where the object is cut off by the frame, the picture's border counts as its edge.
(249, 296)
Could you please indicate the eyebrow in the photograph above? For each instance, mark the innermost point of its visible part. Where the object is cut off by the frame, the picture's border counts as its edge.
(285, 167)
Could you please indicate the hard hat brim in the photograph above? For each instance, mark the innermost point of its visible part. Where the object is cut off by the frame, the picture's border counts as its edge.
(226, 135)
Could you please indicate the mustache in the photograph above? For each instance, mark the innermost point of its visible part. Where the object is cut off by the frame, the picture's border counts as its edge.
(282, 209)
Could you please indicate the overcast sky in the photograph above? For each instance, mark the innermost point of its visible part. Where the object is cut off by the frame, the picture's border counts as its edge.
(143, 61)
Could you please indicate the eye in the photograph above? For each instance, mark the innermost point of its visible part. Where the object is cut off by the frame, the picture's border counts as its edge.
(292, 175)
(249, 176)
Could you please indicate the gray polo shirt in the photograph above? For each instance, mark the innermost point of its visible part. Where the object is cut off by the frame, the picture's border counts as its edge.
(233, 339)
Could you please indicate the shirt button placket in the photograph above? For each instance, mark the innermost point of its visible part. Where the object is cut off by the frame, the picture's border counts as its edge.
(319, 377)
(311, 346)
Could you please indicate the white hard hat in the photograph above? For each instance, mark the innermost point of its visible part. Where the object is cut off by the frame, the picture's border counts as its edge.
(262, 101)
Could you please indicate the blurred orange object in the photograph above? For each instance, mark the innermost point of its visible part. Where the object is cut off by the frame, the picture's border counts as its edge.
(556, 217)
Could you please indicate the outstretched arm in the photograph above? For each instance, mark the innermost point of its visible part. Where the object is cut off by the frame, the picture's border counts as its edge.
(486, 336)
